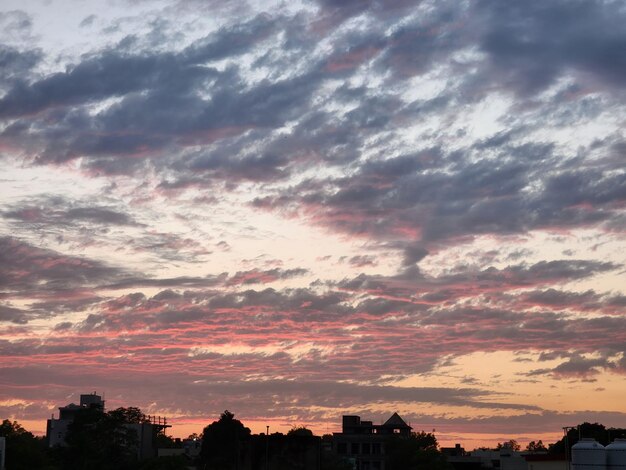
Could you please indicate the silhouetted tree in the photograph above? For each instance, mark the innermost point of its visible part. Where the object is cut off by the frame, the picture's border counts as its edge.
(418, 451)
(536, 446)
(330, 460)
(299, 431)
(99, 441)
(164, 441)
(510, 444)
(128, 415)
(24, 450)
(592, 430)
(223, 442)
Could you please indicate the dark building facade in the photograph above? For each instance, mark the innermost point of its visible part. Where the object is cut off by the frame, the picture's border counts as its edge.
(362, 443)
(56, 429)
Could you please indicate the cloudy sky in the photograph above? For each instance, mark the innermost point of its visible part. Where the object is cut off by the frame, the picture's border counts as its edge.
(298, 210)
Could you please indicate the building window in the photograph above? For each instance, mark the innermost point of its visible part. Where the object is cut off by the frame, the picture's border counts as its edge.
(342, 448)
(365, 448)
(376, 448)
(355, 448)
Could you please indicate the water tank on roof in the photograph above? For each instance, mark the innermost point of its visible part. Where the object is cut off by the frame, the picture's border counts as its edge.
(587, 454)
(616, 455)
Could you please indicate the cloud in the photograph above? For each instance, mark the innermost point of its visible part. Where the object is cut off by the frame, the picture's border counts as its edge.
(13, 315)
(532, 44)
(576, 366)
(29, 270)
(55, 212)
(451, 139)
(264, 277)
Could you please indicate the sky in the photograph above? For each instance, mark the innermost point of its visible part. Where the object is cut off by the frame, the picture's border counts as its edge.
(299, 210)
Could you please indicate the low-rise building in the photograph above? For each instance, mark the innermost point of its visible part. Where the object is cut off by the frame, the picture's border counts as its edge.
(56, 429)
(363, 443)
(145, 431)
(545, 461)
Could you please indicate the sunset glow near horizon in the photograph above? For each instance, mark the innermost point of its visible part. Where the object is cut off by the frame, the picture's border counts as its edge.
(300, 210)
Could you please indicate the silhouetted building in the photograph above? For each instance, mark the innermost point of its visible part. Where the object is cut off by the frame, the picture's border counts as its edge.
(459, 459)
(456, 451)
(278, 451)
(545, 461)
(362, 443)
(190, 448)
(56, 429)
(146, 431)
(2, 452)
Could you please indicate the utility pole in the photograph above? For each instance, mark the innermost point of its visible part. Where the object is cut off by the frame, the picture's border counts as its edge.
(566, 430)
(267, 447)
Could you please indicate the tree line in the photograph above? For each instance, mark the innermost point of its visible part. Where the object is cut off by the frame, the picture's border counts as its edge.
(99, 440)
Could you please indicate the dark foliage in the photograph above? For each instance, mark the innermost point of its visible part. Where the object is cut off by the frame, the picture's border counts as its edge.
(24, 450)
(223, 442)
(98, 441)
(590, 430)
(418, 451)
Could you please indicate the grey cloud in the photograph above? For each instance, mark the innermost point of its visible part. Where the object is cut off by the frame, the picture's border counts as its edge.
(70, 281)
(476, 281)
(29, 269)
(16, 64)
(264, 276)
(93, 79)
(232, 41)
(56, 213)
(563, 299)
(531, 44)
(13, 315)
(15, 22)
(576, 366)
(174, 282)
(87, 21)
(413, 254)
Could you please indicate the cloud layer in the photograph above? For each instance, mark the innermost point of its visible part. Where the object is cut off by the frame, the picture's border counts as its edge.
(318, 209)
